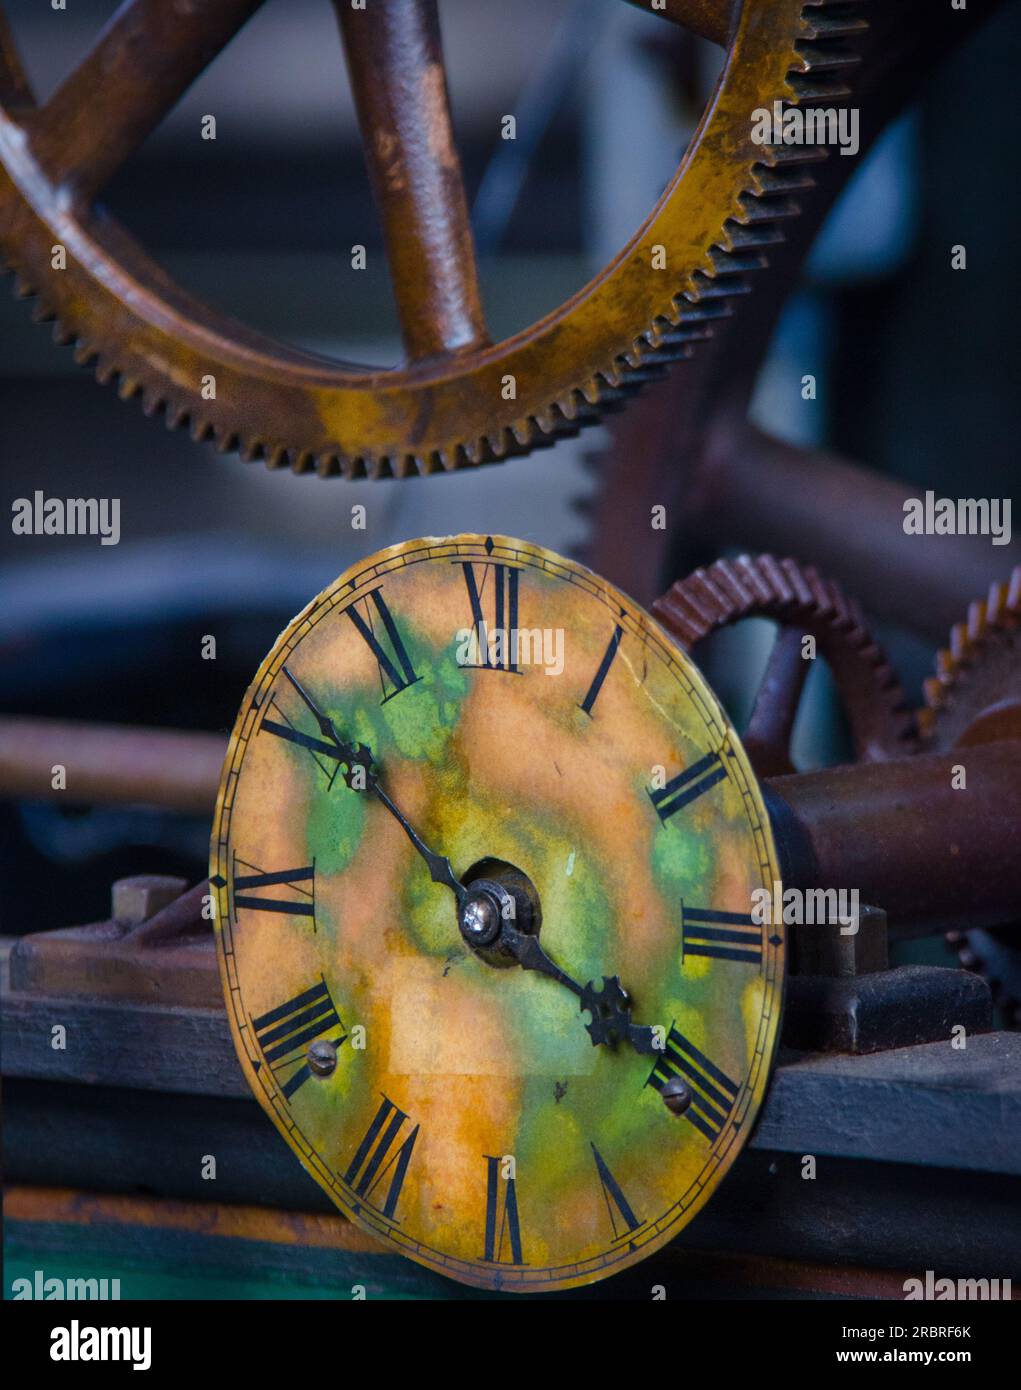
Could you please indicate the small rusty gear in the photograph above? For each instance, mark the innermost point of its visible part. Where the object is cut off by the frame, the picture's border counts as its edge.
(459, 399)
(975, 697)
(803, 603)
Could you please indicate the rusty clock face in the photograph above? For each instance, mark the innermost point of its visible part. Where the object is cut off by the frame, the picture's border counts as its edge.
(484, 856)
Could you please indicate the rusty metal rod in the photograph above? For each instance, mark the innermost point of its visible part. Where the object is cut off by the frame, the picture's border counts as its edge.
(110, 763)
(850, 522)
(932, 856)
(144, 60)
(14, 85)
(395, 58)
(710, 19)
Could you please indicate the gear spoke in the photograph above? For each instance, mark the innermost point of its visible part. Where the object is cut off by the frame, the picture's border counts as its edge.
(767, 738)
(14, 86)
(144, 60)
(395, 57)
(710, 19)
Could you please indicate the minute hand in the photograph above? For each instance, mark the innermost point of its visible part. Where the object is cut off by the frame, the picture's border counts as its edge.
(358, 756)
(440, 868)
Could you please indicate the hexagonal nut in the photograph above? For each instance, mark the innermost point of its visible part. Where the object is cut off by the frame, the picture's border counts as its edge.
(134, 900)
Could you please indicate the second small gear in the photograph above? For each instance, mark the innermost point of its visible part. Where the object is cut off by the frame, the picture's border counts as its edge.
(975, 697)
(803, 603)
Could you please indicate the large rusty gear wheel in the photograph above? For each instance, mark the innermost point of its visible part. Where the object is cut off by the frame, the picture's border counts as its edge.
(975, 697)
(446, 407)
(802, 603)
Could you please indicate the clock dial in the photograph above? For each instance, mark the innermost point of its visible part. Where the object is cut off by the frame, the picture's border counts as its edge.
(484, 913)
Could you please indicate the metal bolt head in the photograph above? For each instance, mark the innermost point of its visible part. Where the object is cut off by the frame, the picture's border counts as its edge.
(322, 1057)
(480, 919)
(676, 1096)
(134, 900)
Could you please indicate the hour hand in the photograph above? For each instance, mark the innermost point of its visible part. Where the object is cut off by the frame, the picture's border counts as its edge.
(609, 1006)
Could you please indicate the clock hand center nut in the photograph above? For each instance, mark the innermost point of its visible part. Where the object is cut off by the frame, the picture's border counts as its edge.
(487, 906)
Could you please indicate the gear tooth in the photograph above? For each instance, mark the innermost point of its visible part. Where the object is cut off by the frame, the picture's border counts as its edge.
(976, 622)
(674, 613)
(62, 335)
(152, 402)
(818, 25)
(997, 611)
(946, 664)
(731, 581)
(773, 179)
(705, 289)
(432, 462)
(798, 581)
(762, 208)
(105, 372)
(935, 694)
(819, 57)
(773, 575)
(250, 450)
(200, 430)
(925, 719)
(849, 611)
(176, 415)
(127, 387)
(1014, 592)
(826, 597)
(746, 576)
(42, 314)
(960, 642)
(705, 597)
(85, 355)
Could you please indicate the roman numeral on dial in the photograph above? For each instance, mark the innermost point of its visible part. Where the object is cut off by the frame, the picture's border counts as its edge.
(284, 1033)
(687, 785)
(502, 1225)
(300, 902)
(504, 595)
(622, 1218)
(604, 666)
(721, 935)
(396, 672)
(713, 1092)
(325, 753)
(379, 1156)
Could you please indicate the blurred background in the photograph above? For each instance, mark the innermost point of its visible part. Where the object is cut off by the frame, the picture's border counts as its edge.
(916, 368)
